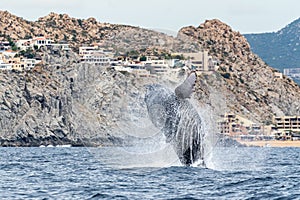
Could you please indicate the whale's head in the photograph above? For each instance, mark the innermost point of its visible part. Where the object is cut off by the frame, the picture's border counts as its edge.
(163, 103)
(156, 93)
(156, 99)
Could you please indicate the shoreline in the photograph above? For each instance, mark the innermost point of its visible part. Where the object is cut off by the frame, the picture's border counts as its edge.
(271, 143)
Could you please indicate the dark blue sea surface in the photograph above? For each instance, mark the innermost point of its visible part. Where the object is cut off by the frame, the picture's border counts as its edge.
(87, 173)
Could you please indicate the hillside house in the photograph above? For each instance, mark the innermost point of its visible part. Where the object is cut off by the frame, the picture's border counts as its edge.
(5, 66)
(4, 45)
(38, 42)
(93, 55)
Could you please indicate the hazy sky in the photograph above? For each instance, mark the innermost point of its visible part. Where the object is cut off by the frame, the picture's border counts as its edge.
(246, 16)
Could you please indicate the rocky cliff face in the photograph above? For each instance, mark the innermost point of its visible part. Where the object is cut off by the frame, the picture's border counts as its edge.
(248, 86)
(65, 102)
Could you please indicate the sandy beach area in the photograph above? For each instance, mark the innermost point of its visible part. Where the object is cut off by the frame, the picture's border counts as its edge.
(272, 143)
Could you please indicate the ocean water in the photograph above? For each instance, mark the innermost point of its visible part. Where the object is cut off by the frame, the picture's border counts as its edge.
(104, 173)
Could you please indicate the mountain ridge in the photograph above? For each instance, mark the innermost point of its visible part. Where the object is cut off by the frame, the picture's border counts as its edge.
(251, 88)
(280, 49)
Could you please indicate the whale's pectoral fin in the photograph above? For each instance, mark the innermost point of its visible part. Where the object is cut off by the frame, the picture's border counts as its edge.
(185, 90)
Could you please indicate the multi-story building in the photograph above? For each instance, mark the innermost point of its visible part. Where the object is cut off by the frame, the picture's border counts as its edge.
(158, 67)
(288, 127)
(41, 41)
(17, 63)
(38, 42)
(137, 69)
(93, 55)
(201, 61)
(237, 126)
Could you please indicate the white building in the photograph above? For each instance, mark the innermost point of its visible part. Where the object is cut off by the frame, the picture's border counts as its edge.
(38, 42)
(87, 50)
(29, 63)
(41, 41)
(4, 45)
(93, 55)
(159, 67)
(138, 70)
(62, 45)
(23, 45)
(5, 66)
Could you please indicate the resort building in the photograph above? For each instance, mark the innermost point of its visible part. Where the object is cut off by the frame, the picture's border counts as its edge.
(288, 127)
(239, 127)
(63, 45)
(38, 42)
(8, 54)
(93, 55)
(17, 64)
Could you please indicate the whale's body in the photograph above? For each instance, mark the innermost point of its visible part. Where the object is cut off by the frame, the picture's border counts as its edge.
(179, 121)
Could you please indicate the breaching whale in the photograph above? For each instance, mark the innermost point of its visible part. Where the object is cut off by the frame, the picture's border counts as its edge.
(179, 121)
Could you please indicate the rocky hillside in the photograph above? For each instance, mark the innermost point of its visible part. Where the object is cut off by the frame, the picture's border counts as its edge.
(244, 83)
(279, 49)
(61, 27)
(65, 102)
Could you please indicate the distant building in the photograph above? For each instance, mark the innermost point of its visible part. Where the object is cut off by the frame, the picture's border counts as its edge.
(23, 45)
(200, 61)
(9, 53)
(63, 45)
(93, 55)
(278, 75)
(41, 41)
(38, 42)
(292, 73)
(288, 127)
(239, 127)
(4, 45)
(158, 67)
(5, 66)
(137, 69)
(17, 63)
(29, 63)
